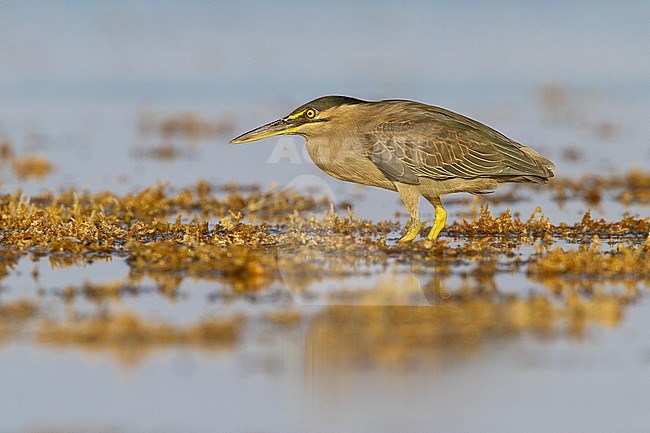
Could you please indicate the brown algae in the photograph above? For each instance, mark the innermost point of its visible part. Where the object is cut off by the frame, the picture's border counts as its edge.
(248, 242)
(31, 167)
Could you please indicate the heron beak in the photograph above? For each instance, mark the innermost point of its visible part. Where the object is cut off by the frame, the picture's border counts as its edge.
(279, 127)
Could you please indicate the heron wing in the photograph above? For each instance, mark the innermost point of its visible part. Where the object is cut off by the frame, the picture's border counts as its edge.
(387, 155)
(439, 144)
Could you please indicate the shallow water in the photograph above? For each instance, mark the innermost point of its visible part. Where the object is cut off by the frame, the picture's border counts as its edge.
(375, 347)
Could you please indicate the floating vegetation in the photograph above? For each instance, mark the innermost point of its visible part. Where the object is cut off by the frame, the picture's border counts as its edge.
(17, 311)
(31, 167)
(631, 187)
(188, 124)
(176, 135)
(281, 245)
(97, 292)
(591, 261)
(7, 151)
(131, 337)
(130, 329)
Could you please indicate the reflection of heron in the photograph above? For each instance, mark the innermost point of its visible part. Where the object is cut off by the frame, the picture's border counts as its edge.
(408, 147)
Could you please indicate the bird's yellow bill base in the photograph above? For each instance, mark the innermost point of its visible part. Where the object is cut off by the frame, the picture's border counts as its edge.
(412, 229)
(439, 224)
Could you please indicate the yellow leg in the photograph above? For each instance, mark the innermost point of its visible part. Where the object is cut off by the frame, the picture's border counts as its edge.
(411, 198)
(441, 219)
(412, 229)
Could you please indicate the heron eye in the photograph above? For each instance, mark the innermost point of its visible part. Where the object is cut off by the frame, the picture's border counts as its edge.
(310, 113)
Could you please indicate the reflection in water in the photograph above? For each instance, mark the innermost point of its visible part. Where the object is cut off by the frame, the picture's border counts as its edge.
(370, 353)
(353, 336)
(393, 316)
(347, 282)
(372, 362)
(455, 319)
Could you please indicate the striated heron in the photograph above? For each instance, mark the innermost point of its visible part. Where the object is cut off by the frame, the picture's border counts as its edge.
(408, 147)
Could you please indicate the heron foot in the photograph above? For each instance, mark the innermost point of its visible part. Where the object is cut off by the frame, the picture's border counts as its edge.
(439, 224)
(412, 229)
